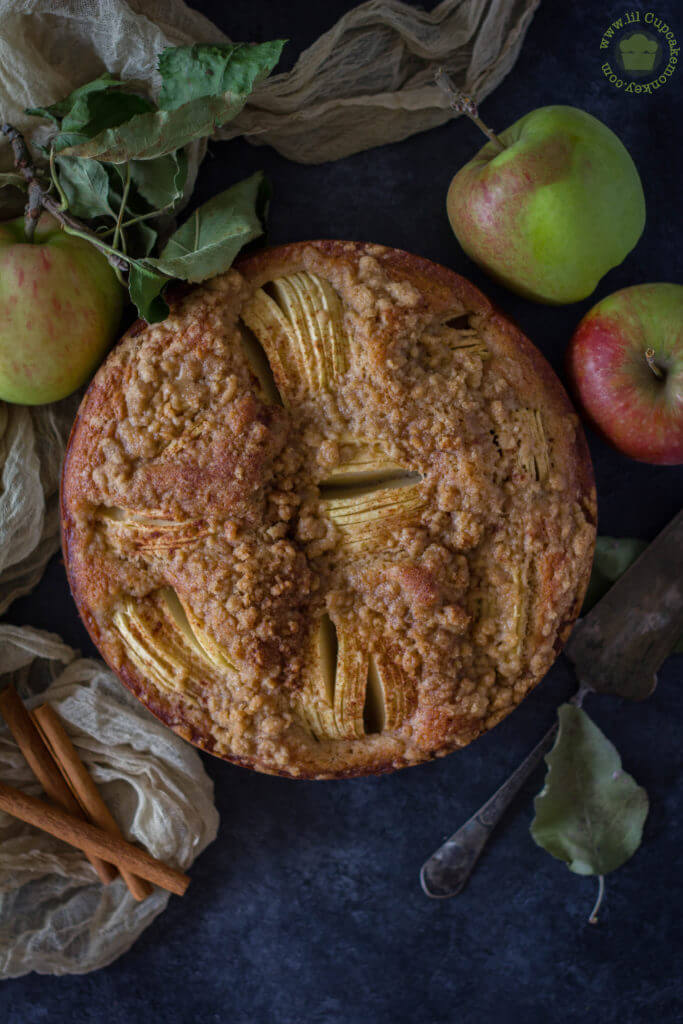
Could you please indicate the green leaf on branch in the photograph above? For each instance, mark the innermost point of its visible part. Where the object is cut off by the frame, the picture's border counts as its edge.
(590, 812)
(86, 185)
(207, 243)
(94, 108)
(142, 237)
(145, 285)
(60, 110)
(193, 72)
(118, 159)
(95, 112)
(149, 136)
(160, 182)
(613, 556)
(198, 111)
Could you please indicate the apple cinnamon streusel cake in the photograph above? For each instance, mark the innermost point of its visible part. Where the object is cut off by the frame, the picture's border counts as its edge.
(335, 515)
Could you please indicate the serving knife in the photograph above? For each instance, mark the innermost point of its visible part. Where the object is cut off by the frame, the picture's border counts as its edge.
(616, 649)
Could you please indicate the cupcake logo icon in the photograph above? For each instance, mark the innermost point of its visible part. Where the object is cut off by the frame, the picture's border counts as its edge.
(640, 52)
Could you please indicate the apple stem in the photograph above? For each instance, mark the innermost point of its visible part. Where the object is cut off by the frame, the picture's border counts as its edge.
(650, 360)
(39, 199)
(464, 104)
(593, 919)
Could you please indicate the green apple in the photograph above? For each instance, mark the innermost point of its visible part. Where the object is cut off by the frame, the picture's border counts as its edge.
(60, 307)
(554, 209)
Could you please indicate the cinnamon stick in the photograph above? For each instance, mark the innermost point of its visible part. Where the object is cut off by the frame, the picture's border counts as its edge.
(84, 789)
(44, 768)
(90, 839)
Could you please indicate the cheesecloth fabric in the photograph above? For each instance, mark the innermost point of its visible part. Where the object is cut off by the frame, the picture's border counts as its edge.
(31, 448)
(365, 82)
(55, 915)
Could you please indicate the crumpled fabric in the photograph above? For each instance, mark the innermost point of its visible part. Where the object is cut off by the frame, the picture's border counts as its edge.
(369, 80)
(32, 442)
(55, 915)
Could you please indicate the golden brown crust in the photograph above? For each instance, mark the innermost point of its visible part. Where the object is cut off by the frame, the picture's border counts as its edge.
(243, 585)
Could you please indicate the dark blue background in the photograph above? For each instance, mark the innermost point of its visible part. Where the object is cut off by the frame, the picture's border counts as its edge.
(307, 908)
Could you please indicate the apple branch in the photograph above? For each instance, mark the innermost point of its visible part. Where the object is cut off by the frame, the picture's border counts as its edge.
(39, 199)
(22, 162)
(464, 104)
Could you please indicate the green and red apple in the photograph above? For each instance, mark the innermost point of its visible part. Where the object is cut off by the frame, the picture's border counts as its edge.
(625, 362)
(553, 207)
(60, 306)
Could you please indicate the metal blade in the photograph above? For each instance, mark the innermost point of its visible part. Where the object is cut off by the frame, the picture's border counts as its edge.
(622, 642)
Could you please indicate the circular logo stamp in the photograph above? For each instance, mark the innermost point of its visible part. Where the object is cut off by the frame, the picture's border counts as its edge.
(640, 52)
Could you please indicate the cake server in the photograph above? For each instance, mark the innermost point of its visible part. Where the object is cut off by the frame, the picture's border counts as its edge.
(616, 650)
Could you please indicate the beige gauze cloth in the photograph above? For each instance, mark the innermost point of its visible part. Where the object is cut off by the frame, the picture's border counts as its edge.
(55, 915)
(369, 80)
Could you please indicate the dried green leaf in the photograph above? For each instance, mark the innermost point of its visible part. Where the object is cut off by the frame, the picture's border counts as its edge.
(141, 238)
(590, 812)
(192, 72)
(207, 243)
(145, 285)
(60, 110)
(196, 110)
(97, 113)
(152, 135)
(86, 185)
(160, 182)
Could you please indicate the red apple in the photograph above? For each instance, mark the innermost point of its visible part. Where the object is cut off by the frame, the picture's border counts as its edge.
(625, 362)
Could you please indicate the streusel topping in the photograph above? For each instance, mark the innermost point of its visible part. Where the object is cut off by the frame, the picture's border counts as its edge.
(334, 515)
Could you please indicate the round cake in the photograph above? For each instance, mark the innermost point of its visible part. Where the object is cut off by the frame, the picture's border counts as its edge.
(334, 516)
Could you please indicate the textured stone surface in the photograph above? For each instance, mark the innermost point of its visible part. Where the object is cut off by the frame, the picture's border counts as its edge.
(307, 908)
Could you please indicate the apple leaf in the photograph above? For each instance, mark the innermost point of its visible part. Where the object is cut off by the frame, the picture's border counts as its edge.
(193, 72)
(149, 136)
(118, 158)
(145, 285)
(60, 110)
(160, 182)
(590, 812)
(96, 113)
(208, 242)
(142, 237)
(196, 111)
(86, 185)
(89, 110)
(613, 556)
